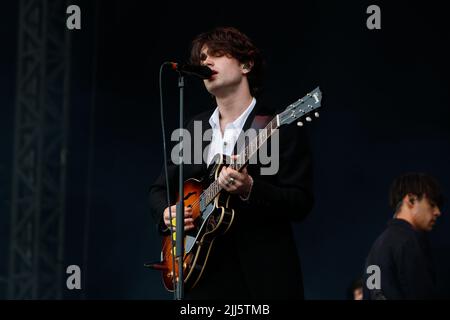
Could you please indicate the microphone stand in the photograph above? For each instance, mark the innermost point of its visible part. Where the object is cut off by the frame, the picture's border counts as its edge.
(180, 207)
(202, 72)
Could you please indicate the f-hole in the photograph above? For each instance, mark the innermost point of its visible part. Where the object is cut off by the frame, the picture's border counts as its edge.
(189, 195)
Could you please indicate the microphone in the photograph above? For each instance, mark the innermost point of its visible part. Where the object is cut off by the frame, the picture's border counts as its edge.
(202, 72)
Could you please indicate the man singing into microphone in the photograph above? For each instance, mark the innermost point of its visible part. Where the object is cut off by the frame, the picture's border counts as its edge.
(257, 257)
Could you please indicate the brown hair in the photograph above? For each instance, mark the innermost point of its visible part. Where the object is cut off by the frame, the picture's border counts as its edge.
(230, 41)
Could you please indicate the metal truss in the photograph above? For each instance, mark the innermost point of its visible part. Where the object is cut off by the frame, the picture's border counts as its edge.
(36, 253)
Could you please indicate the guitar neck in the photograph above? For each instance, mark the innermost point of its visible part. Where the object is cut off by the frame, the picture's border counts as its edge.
(244, 156)
(295, 111)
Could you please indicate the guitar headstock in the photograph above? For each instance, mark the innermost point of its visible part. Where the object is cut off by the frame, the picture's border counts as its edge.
(302, 108)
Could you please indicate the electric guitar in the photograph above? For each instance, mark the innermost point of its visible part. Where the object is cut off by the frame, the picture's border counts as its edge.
(211, 213)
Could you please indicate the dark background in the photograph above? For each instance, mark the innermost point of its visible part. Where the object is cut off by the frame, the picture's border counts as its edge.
(385, 111)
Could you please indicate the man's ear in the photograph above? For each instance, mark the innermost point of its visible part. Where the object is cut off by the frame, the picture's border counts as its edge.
(247, 67)
(410, 199)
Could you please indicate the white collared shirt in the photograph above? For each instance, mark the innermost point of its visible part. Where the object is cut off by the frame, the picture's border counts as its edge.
(225, 144)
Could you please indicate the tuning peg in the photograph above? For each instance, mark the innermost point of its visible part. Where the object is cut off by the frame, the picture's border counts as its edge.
(316, 114)
(300, 124)
(308, 119)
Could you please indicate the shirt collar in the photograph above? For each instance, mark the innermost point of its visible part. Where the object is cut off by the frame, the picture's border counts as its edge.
(238, 123)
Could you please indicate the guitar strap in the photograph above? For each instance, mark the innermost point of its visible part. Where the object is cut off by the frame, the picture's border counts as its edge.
(259, 122)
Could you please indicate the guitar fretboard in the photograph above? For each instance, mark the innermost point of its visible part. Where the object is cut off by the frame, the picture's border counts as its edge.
(244, 156)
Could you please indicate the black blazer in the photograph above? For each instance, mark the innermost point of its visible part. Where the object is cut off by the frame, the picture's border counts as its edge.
(257, 258)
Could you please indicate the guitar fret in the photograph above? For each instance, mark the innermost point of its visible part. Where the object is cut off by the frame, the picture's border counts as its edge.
(243, 159)
(263, 136)
(252, 147)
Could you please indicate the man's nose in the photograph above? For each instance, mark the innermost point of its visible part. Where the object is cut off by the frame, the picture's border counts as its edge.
(437, 212)
(208, 62)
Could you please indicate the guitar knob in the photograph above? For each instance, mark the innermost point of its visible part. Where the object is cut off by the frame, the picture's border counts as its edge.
(316, 114)
(300, 124)
(308, 119)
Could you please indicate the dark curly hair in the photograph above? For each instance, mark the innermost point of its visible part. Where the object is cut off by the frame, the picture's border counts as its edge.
(230, 41)
(418, 184)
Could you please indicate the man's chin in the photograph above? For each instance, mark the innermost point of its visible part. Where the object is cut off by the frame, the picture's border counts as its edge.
(213, 90)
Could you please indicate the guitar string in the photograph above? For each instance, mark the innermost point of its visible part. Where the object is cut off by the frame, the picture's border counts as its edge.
(267, 136)
(246, 151)
(197, 202)
(268, 133)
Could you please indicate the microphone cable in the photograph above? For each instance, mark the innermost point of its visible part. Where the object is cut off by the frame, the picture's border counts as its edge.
(167, 178)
